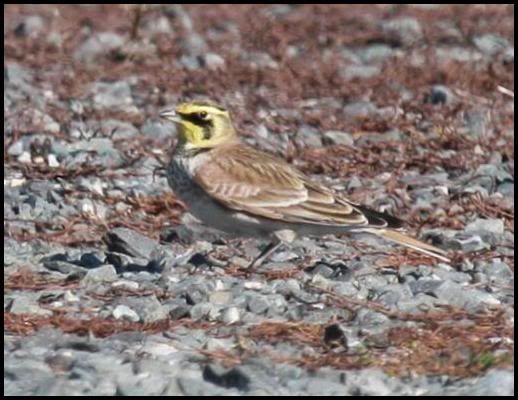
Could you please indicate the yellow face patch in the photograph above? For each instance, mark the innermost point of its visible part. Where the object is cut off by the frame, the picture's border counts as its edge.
(190, 133)
(203, 125)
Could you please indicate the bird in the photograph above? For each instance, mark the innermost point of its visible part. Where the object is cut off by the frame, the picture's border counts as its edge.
(238, 189)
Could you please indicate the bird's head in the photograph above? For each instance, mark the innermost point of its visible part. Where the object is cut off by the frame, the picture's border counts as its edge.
(201, 125)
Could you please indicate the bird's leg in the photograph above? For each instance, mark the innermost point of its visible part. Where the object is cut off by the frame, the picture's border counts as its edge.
(267, 252)
(278, 239)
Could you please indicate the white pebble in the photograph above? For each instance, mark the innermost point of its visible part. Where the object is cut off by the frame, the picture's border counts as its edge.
(124, 312)
(52, 161)
(231, 315)
(25, 157)
(254, 285)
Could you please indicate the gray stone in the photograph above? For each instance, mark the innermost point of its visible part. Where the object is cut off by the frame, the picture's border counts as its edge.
(392, 134)
(257, 303)
(98, 45)
(458, 54)
(507, 189)
(354, 183)
(205, 311)
(132, 243)
(321, 282)
(420, 303)
(360, 109)
(101, 146)
(194, 290)
(119, 129)
(231, 315)
(30, 26)
(158, 130)
(142, 277)
(280, 10)
(463, 296)
(91, 184)
(391, 294)
(160, 25)
(52, 161)
(192, 231)
(337, 137)
(371, 382)
(490, 44)
(213, 61)
(16, 75)
(123, 261)
(494, 171)
(494, 383)
(406, 31)
(197, 388)
(35, 117)
(259, 59)
(466, 243)
(126, 284)
(104, 273)
(348, 289)
(277, 305)
(55, 39)
(369, 318)
(93, 208)
(125, 313)
(491, 225)
(478, 122)
(372, 281)
(227, 378)
(498, 271)
(440, 94)
(112, 95)
(148, 308)
(351, 57)
(375, 53)
(221, 297)
(324, 387)
(354, 71)
(283, 256)
(508, 56)
(70, 297)
(16, 149)
(309, 136)
(323, 269)
(190, 62)
(194, 44)
(451, 275)
(27, 303)
(64, 267)
(180, 311)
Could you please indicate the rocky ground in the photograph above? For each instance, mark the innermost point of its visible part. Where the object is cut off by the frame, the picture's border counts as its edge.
(110, 289)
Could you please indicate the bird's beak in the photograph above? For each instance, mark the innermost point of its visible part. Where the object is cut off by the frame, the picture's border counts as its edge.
(171, 115)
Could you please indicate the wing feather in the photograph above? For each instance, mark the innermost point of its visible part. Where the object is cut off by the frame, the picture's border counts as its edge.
(244, 179)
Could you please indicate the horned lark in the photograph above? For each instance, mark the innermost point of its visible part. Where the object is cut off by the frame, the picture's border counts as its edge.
(243, 191)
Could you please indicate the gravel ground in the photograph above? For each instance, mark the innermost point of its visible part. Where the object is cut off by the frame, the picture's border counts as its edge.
(110, 288)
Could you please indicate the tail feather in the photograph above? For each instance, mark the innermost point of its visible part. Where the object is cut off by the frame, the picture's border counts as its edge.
(412, 243)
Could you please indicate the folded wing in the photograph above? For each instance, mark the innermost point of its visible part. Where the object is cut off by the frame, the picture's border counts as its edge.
(244, 179)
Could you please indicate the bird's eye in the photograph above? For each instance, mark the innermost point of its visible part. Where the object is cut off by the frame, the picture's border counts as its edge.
(203, 114)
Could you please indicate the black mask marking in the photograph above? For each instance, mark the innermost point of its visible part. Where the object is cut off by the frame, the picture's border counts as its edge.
(196, 119)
